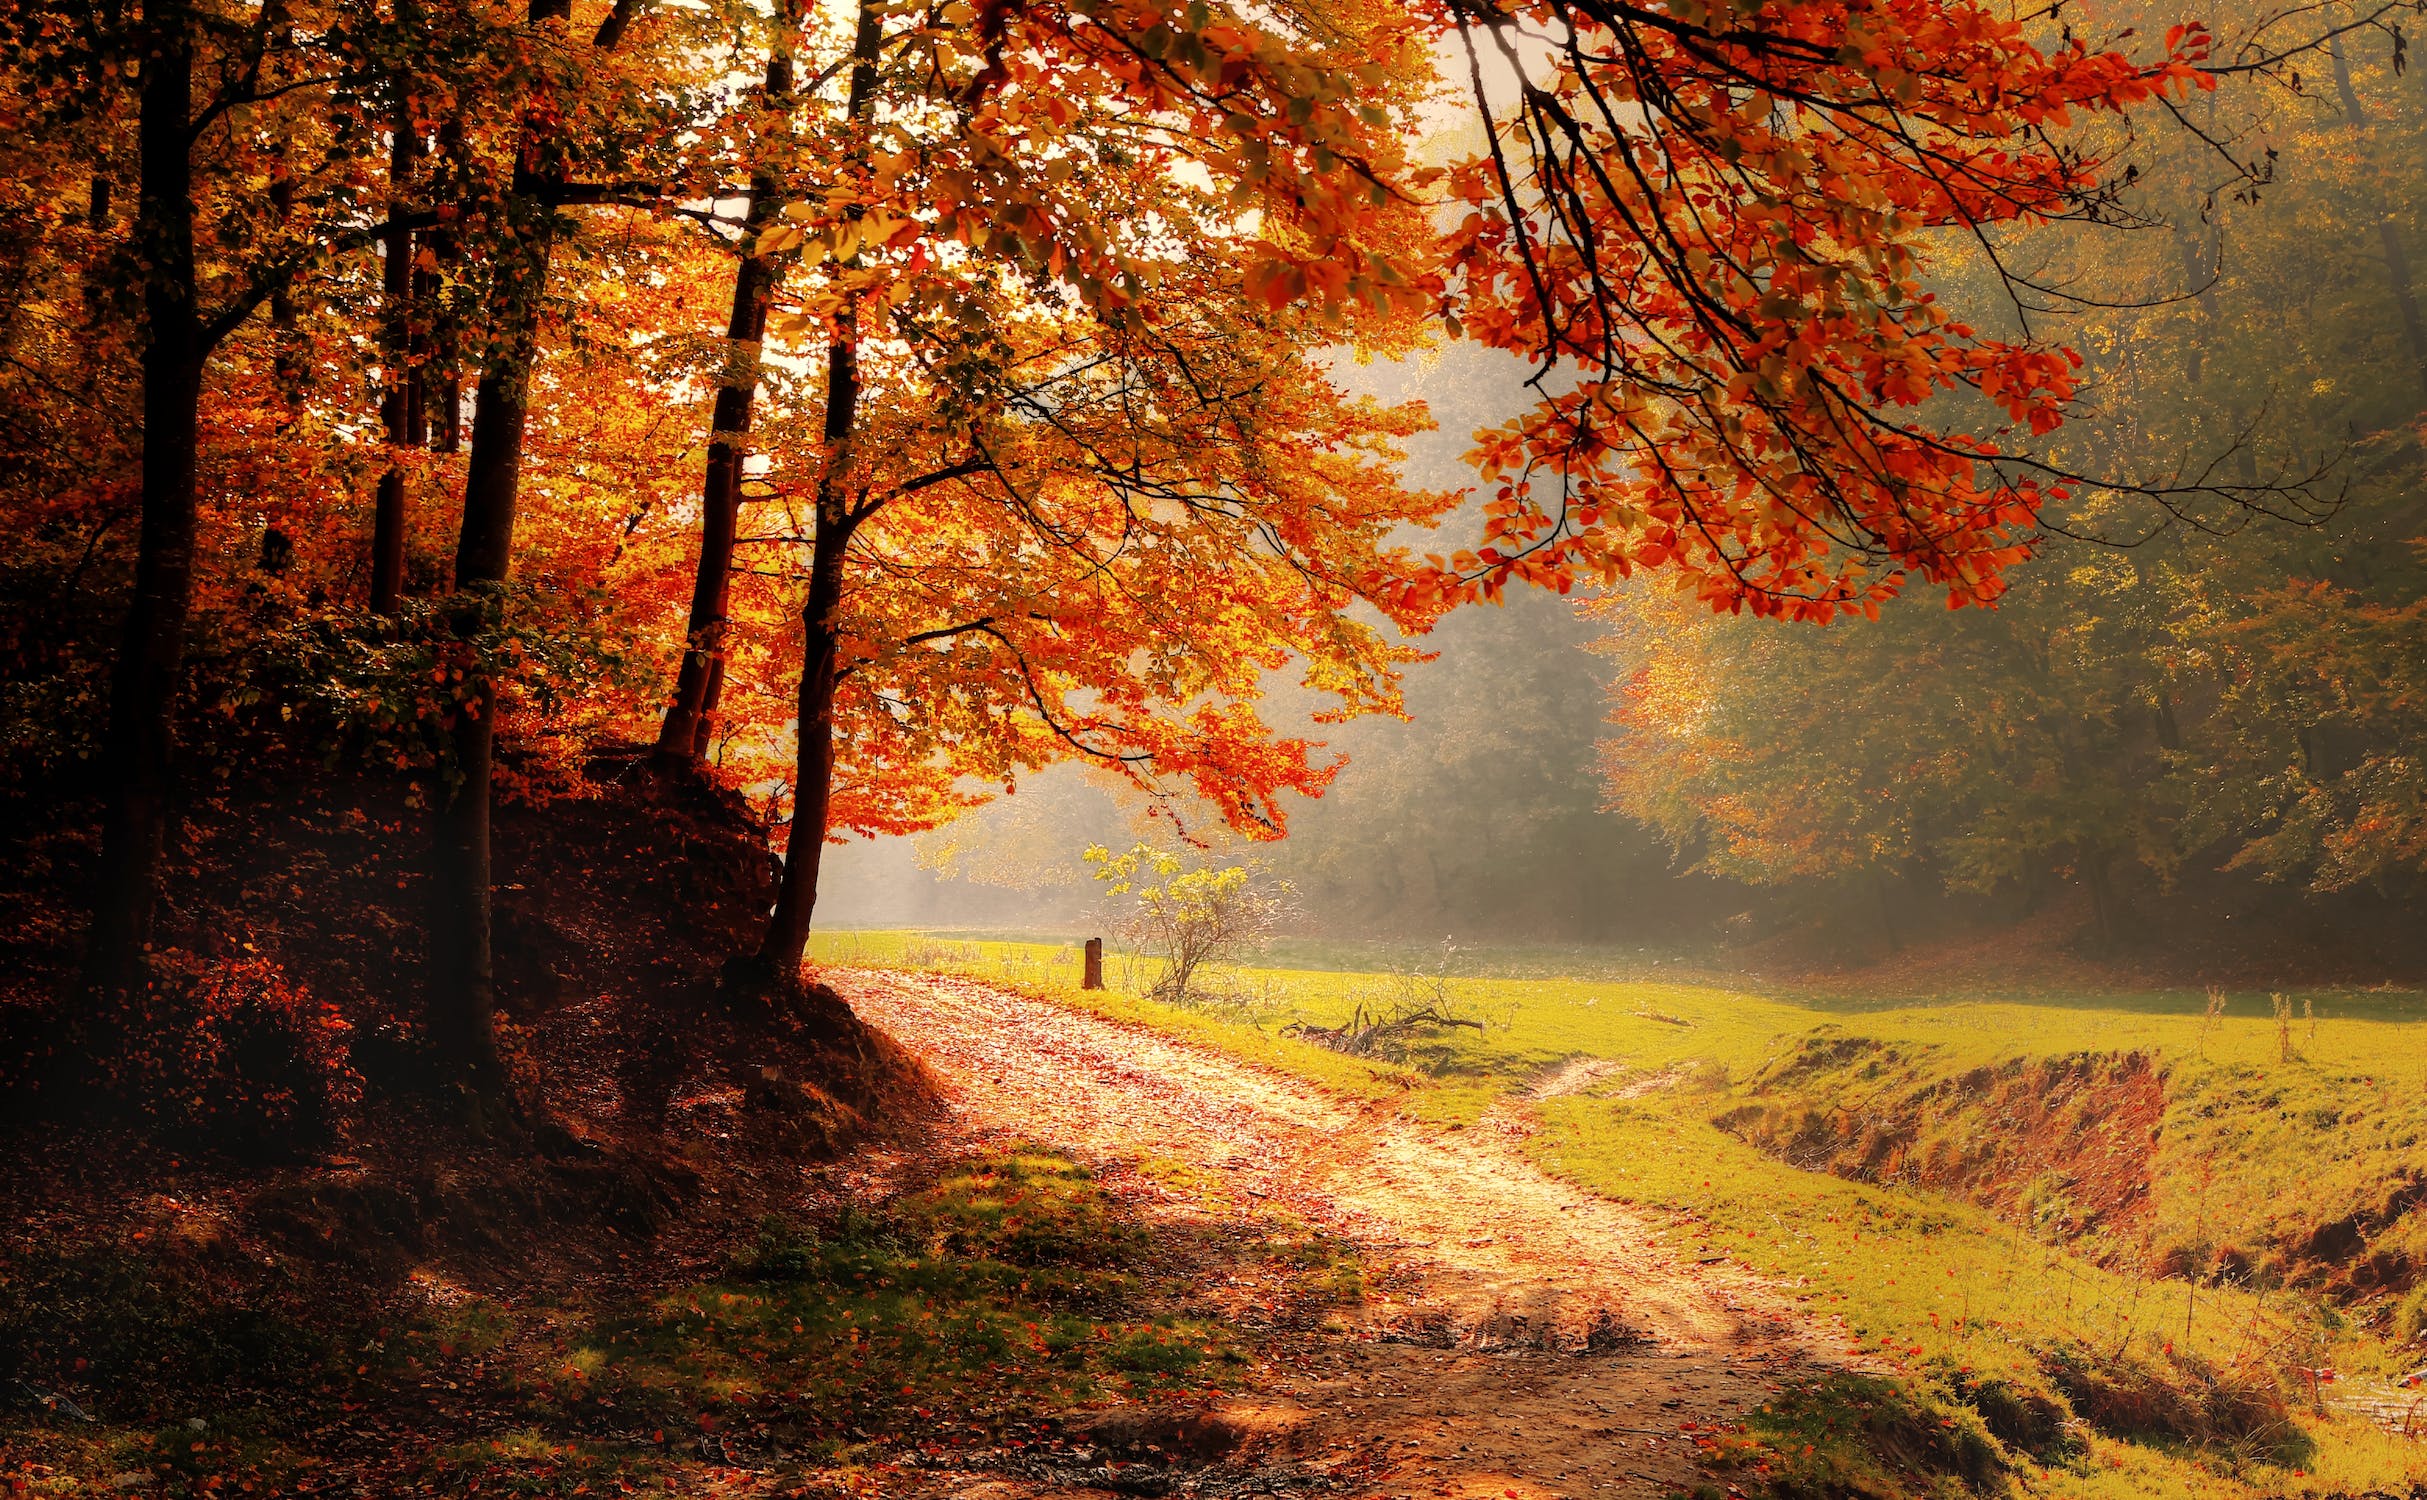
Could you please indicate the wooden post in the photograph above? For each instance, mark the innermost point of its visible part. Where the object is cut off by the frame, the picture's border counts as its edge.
(1093, 978)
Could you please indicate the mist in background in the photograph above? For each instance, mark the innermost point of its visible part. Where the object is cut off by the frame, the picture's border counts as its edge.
(2185, 747)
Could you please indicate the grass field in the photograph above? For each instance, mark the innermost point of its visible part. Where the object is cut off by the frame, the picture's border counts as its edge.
(2156, 1252)
(1875, 990)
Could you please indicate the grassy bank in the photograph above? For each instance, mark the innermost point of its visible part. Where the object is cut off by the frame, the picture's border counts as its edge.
(2148, 1252)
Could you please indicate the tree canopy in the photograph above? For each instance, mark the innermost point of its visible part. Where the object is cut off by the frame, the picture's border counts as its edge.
(878, 402)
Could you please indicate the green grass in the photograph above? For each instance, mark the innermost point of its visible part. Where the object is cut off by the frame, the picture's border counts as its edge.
(1642, 966)
(2091, 1374)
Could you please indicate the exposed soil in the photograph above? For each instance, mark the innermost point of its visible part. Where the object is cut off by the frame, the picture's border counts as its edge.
(1518, 1337)
(2062, 1145)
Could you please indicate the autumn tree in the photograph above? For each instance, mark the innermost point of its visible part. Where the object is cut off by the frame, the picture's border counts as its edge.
(684, 732)
(1097, 544)
(244, 138)
(574, 113)
(1056, 380)
(2220, 694)
(1718, 222)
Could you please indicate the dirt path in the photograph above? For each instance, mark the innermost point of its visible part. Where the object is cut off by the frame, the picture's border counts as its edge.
(1522, 1338)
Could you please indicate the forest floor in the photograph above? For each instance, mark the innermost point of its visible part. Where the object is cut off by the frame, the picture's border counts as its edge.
(1080, 1260)
(1515, 1336)
(1617, 1245)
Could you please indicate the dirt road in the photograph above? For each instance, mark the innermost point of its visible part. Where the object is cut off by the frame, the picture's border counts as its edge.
(1528, 1339)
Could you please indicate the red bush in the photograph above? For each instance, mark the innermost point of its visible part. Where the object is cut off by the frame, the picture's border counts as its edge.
(235, 1051)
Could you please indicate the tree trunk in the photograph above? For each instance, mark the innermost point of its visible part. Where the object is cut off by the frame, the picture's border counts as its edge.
(442, 368)
(685, 729)
(2197, 272)
(683, 734)
(710, 696)
(463, 981)
(2106, 918)
(1887, 911)
(396, 409)
(2405, 297)
(136, 756)
(683, 737)
(2169, 729)
(787, 937)
(2389, 234)
(2342, 79)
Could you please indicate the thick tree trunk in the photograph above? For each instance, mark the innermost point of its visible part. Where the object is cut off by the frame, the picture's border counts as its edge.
(463, 981)
(463, 978)
(787, 937)
(136, 755)
(396, 409)
(684, 735)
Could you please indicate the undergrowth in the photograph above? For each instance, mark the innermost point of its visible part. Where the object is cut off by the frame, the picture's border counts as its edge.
(956, 1318)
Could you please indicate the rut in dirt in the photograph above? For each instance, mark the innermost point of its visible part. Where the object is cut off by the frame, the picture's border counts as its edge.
(1501, 1253)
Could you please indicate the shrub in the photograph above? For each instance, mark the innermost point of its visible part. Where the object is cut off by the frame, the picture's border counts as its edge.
(236, 1052)
(1192, 919)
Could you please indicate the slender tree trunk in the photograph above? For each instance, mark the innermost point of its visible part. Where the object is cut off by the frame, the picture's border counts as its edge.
(1887, 911)
(442, 372)
(2106, 919)
(2169, 728)
(290, 367)
(136, 756)
(2388, 233)
(396, 409)
(2405, 297)
(787, 938)
(683, 737)
(2198, 271)
(2342, 80)
(463, 981)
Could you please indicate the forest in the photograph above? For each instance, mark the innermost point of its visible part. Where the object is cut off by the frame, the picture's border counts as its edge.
(1699, 658)
(2173, 723)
